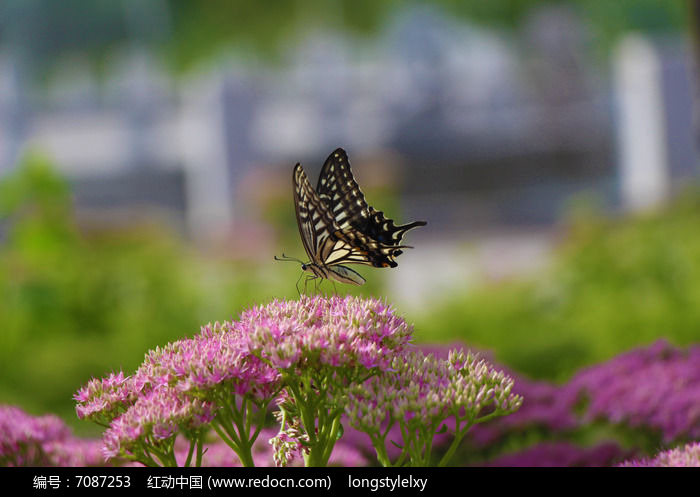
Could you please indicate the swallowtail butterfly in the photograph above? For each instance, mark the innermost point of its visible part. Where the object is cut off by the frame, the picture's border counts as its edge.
(337, 226)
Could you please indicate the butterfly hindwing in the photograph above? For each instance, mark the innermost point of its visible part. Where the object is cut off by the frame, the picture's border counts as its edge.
(346, 275)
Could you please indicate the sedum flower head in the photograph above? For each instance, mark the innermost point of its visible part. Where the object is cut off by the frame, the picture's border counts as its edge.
(102, 398)
(424, 390)
(219, 356)
(215, 361)
(656, 387)
(287, 445)
(154, 418)
(42, 441)
(347, 332)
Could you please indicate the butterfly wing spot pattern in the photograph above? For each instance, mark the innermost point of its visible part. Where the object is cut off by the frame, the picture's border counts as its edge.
(338, 226)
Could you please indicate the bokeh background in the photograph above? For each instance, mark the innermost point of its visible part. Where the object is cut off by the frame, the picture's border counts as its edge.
(146, 151)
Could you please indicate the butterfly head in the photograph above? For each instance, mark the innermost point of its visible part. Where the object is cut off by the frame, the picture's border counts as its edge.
(309, 266)
(314, 269)
(305, 266)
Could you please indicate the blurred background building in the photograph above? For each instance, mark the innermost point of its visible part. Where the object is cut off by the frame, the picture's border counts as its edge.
(487, 131)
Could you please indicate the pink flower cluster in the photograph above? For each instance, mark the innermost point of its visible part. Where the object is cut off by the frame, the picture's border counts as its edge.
(335, 332)
(657, 387)
(421, 398)
(219, 357)
(42, 441)
(687, 456)
(99, 400)
(183, 385)
(156, 416)
(654, 388)
(46, 441)
(425, 390)
(353, 355)
(178, 388)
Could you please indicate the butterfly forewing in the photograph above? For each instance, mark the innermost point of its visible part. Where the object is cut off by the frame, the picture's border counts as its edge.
(316, 224)
(339, 190)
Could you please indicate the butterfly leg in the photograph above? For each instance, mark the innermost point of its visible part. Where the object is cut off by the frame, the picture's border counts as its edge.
(306, 281)
(297, 285)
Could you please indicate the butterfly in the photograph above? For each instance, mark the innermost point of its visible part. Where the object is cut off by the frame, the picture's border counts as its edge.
(337, 226)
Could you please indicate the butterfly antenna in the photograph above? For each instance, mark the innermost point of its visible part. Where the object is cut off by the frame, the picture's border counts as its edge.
(287, 258)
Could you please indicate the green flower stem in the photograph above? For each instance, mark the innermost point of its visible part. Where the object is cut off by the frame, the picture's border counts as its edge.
(190, 452)
(382, 439)
(379, 444)
(306, 411)
(196, 439)
(200, 449)
(459, 435)
(419, 445)
(321, 424)
(143, 457)
(234, 426)
(425, 438)
(166, 456)
(332, 435)
(243, 453)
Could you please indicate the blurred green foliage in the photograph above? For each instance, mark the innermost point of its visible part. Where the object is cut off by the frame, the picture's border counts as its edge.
(201, 29)
(189, 32)
(614, 284)
(266, 28)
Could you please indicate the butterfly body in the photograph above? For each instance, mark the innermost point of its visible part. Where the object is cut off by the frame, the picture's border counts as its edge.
(336, 272)
(337, 226)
